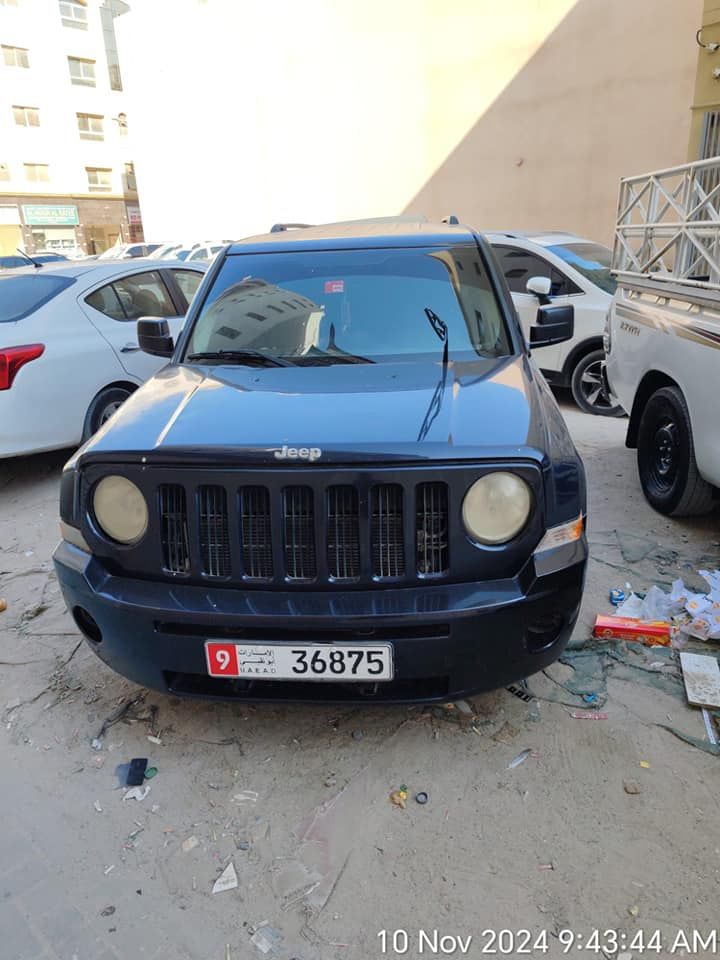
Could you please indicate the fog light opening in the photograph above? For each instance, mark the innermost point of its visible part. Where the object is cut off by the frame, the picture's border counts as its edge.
(86, 625)
(543, 631)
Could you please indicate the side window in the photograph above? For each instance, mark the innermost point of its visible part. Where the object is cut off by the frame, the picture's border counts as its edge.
(188, 281)
(519, 265)
(106, 301)
(142, 295)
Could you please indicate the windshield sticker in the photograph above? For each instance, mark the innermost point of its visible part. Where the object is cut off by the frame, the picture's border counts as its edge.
(334, 286)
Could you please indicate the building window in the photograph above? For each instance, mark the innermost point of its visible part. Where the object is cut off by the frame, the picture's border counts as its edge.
(73, 14)
(36, 172)
(26, 116)
(122, 124)
(15, 56)
(82, 71)
(99, 179)
(4, 171)
(90, 126)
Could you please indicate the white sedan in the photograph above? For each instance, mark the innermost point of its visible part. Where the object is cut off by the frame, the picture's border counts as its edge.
(69, 354)
(560, 268)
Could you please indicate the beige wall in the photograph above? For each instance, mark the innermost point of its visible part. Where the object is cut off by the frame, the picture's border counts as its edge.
(521, 114)
(707, 88)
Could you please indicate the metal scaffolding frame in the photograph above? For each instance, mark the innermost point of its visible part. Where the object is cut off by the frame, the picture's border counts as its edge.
(668, 225)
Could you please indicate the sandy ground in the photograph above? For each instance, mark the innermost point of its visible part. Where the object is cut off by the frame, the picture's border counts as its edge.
(297, 797)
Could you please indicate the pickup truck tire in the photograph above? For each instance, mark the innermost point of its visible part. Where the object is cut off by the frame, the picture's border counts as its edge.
(588, 389)
(666, 457)
(102, 408)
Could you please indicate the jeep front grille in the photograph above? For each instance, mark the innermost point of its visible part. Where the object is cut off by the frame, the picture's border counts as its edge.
(333, 534)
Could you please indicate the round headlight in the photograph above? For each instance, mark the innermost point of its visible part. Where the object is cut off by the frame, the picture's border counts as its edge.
(496, 507)
(120, 509)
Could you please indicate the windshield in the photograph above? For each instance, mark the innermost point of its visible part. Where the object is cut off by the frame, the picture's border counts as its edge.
(19, 296)
(363, 305)
(592, 260)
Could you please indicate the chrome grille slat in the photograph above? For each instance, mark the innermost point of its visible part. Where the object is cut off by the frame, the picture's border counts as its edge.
(256, 533)
(214, 531)
(387, 545)
(343, 532)
(299, 533)
(431, 529)
(174, 528)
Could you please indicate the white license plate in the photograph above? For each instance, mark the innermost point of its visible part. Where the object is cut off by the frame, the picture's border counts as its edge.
(299, 661)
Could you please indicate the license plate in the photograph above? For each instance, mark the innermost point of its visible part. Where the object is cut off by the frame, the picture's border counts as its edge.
(300, 661)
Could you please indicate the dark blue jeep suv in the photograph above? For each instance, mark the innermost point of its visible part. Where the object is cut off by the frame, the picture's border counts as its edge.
(350, 482)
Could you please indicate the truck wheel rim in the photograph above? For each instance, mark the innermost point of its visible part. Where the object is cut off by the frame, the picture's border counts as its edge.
(664, 460)
(109, 410)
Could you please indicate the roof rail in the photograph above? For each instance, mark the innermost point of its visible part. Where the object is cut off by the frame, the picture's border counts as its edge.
(279, 227)
(451, 219)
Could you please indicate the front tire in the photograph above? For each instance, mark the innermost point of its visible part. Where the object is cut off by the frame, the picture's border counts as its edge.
(666, 457)
(588, 389)
(102, 408)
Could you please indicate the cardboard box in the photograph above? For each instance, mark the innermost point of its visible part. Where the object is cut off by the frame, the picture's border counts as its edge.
(626, 628)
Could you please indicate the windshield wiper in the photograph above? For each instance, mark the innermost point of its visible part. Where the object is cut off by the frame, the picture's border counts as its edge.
(248, 358)
(441, 329)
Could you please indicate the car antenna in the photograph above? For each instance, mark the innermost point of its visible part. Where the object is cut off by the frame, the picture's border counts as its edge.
(35, 263)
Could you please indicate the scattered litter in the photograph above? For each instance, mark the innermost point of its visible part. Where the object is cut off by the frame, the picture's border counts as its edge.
(590, 698)
(634, 911)
(136, 772)
(546, 866)
(520, 758)
(357, 735)
(506, 733)
(645, 764)
(466, 713)
(709, 726)
(107, 870)
(156, 740)
(399, 797)
(227, 880)
(589, 715)
(632, 629)
(702, 679)
(617, 596)
(137, 793)
(330, 781)
(266, 938)
(520, 692)
(151, 772)
(632, 787)
(421, 797)
(242, 844)
(97, 806)
(107, 912)
(97, 744)
(190, 844)
(245, 796)
(3, 605)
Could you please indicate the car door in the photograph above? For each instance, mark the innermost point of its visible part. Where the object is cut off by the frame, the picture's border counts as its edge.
(115, 306)
(518, 266)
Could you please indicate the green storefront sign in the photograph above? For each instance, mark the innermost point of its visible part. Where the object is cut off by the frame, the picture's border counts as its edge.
(50, 215)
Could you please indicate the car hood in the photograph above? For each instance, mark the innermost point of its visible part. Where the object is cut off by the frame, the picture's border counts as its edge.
(415, 410)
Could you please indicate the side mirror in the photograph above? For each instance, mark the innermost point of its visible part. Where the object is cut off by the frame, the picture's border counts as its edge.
(553, 325)
(154, 336)
(540, 286)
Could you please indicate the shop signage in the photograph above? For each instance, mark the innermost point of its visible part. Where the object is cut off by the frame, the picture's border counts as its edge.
(50, 215)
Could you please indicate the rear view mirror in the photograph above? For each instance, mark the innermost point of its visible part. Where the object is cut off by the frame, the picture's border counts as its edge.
(540, 286)
(553, 325)
(154, 336)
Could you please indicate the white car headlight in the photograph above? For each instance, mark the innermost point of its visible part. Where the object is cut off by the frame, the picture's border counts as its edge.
(496, 507)
(120, 509)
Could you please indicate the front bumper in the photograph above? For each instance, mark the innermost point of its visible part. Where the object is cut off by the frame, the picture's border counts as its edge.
(449, 640)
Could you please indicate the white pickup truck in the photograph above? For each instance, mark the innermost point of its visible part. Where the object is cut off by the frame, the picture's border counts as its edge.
(662, 340)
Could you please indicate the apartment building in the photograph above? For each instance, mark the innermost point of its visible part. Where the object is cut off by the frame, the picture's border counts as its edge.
(67, 180)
